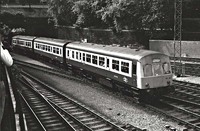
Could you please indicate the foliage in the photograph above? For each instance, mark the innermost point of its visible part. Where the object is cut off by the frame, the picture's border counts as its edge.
(61, 11)
(116, 14)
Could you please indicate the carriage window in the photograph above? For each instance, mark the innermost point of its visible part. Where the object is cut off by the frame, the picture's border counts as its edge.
(72, 54)
(166, 68)
(80, 56)
(102, 61)
(115, 65)
(148, 70)
(108, 63)
(57, 51)
(48, 48)
(54, 49)
(27, 43)
(43, 47)
(125, 67)
(77, 55)
(88, 58)
(94, 59)
(83, 56)
(21, 42)
(14, 42)
(157, 68)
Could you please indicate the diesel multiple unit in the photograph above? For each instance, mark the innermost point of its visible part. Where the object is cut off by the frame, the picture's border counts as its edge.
(135, 70)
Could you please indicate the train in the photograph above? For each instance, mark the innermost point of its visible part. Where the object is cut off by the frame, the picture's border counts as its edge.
(137, 71)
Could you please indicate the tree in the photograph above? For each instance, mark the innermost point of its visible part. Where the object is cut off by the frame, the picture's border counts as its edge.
(61, 11)
(137, 14)
(116, 14)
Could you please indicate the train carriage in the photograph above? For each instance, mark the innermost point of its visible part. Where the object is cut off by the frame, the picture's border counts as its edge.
(141, 70)
(136, 71)
(49, 48)
(23, 44)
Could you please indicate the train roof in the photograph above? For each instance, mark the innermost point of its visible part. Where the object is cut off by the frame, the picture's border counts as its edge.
(52, 41)
(121, 52)
(24, 37)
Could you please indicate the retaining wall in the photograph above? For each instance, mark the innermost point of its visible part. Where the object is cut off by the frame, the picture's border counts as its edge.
(188, 48)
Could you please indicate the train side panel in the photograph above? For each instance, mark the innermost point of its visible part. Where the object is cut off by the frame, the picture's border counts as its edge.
(101, 65)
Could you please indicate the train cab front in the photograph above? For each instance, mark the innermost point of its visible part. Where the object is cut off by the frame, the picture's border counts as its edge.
(156, 75)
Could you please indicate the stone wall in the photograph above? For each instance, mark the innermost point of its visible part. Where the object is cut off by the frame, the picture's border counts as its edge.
(104, 36)
(189, 49)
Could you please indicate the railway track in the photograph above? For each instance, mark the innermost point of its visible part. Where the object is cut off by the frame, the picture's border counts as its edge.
(183, 105)
(79, 116)
(54, 71)
(40, 114)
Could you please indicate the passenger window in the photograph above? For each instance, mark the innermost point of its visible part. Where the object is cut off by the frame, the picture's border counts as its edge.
(43, 47)
(57, 51)
(94, 59)
(115, 65)
(72, 54)
(83, 56)
(148, 70)
(54, 50)
(125, 67)
(108, 63)
(166, 68)
(88, 58)
(49, 48)
(102, 61)
(77, 55)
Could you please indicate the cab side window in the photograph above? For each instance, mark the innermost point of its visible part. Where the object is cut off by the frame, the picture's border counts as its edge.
(166, 68)
(148, 70)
